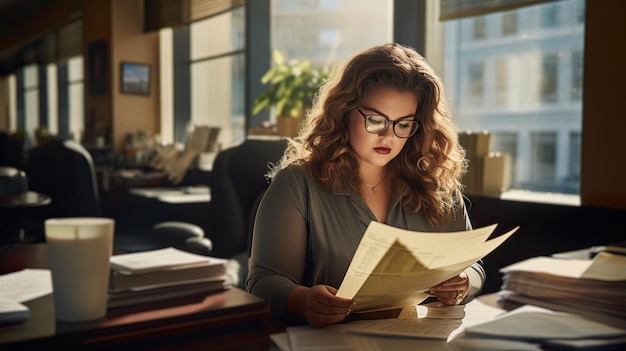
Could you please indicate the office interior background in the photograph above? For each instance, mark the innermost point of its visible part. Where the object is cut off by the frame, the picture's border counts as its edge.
(542, 77)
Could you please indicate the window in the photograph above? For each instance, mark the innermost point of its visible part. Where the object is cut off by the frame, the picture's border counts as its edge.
(577, 76)
(573, 176)
(525, 90)
(30, 96)
(328, 32)
(550, 16)
(509, 23)
(479, 29)
(217, 74)
(543, 168)
(76, 97)
(475, 84)
(502, 82)
(548, 78)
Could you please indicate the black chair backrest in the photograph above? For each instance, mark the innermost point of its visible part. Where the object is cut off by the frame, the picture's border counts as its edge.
(63, 170)
(239, 178)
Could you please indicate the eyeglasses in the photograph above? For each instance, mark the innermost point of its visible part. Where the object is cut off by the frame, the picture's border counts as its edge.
(376, 124)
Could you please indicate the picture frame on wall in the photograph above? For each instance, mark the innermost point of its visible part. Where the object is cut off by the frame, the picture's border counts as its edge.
(135, 78)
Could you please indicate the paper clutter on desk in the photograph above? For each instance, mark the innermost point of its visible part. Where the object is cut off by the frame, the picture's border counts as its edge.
(12, 311)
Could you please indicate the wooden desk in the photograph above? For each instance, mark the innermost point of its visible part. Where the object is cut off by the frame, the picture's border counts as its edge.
(232, 320)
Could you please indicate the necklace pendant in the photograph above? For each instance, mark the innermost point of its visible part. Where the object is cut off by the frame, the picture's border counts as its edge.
(374, 189)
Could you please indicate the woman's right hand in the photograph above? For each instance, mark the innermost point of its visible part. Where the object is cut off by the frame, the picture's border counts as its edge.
(319, 305)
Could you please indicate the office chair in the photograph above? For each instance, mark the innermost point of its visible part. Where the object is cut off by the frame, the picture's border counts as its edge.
(237, 183)
(63, 170)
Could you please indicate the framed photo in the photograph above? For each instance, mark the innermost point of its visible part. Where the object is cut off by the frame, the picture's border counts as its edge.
(135, 78)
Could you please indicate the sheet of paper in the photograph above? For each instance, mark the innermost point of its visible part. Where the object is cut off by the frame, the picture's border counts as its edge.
(12, 311)
(336, 337)
(26, 285)
(417, 328)
(343, 336)
(572, 268)
(185, 198)
(482, 344)
(434, 321)
(332, 337)
(607, 266)
(154, 260)
(281, 341)
(536, 323)
(393, 267)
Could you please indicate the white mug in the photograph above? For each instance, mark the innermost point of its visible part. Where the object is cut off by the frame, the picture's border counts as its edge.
(79, 253)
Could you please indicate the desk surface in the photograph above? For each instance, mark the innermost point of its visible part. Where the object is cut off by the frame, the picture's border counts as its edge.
(175, 195)
(27, 199)
(225, 321)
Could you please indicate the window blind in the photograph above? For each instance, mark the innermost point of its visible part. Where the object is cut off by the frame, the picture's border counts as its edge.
(455, 9)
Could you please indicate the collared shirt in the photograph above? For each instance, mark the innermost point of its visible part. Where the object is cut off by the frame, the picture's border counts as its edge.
(307, 235)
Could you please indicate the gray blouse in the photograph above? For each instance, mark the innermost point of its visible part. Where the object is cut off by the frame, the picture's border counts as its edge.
(306, 235)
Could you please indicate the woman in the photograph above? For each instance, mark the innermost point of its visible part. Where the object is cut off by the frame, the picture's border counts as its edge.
(379, 145)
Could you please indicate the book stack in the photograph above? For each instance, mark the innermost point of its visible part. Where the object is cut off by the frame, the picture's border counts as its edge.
(593, 288)
(164, 274)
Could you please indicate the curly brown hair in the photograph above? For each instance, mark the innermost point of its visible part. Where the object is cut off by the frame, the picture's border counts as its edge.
(427, 171)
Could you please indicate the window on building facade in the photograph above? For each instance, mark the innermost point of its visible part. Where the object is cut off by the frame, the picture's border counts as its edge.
(549, 16)
(532, 87)
(577, 76)
(574, 157)
(543, 170)
(509, 23)
(479, 30)
(475, 82)
(548, 78)
(502, 82)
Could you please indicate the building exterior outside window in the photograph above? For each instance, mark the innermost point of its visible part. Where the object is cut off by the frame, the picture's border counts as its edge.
(218, 75)
(330, 31)
(527, 93)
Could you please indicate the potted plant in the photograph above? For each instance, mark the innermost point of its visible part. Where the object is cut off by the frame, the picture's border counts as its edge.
(292, 85)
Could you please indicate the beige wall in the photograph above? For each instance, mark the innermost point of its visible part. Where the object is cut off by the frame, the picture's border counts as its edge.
(120, 24)
(603, 173)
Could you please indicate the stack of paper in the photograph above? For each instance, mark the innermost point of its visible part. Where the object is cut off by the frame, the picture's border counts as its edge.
(164, 273)
(593, 288)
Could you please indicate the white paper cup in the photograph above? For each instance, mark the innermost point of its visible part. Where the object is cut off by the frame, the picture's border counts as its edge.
(79, 252)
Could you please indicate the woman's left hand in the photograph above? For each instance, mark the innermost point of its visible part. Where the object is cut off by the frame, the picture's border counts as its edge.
(453, 290)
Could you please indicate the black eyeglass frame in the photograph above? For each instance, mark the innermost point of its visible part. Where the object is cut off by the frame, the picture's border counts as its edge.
(388, 121)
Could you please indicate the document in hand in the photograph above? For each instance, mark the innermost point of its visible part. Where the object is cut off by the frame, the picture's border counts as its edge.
(393, 268)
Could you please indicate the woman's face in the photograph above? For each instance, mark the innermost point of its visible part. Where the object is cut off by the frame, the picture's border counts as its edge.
(379, 149)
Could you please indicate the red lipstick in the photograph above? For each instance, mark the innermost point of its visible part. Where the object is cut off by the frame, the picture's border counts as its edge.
(383, 150)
